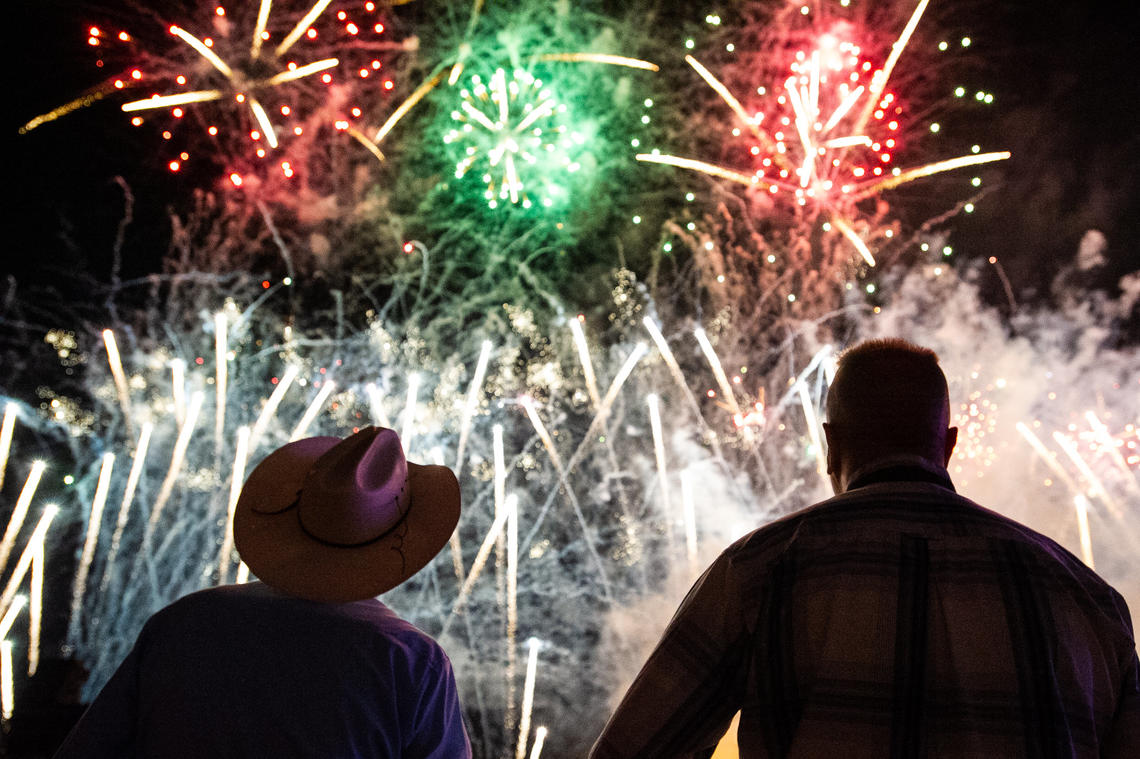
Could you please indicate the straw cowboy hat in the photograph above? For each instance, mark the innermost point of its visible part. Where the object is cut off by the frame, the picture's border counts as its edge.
(343, 520)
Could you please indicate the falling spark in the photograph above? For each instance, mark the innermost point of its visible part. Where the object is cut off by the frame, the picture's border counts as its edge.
(587, 364)
(311, 412)
(201, 49)
(137, 461)
(270, 408)
(169, 101)
(291, 75)
(611, 60)
(28, 554)
(259, 28)
(528, 697)
(706, 168)
(727, 97)
(476, 566)
(94, 523)
(20, 512)
(539, 740)
(7, 694)
(1086, 471)
(1107, 444)
(855, 239)
(512, 596)
(221, 349)
(410, 410)
(116, 363)
(1047, 456)
(931, 168)
(6, 431)
(543, 434)
(718, 370)
(472, 402)
(9, 619)
(301, 27)
(176, 459)
(241, 453)
(178, 389)
(406, 106)
(688, 504)
(659, 450)
(1082, 506)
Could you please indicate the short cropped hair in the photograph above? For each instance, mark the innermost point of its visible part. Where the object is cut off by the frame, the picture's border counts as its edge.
(890, 396)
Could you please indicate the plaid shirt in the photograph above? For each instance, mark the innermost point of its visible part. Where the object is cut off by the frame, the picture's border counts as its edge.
(898, 619)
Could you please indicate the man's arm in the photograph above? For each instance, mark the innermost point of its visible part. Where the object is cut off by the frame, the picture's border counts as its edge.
(439, 732)
(683, 700)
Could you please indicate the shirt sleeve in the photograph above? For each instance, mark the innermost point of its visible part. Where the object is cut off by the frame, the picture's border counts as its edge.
(439, 731)
(683, 700)
(107, 728)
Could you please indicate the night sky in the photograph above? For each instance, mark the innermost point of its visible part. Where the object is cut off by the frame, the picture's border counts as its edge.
(1064, 74)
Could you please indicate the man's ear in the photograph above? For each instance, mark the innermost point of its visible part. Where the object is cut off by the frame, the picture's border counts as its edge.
(951, 441)
(832, 448)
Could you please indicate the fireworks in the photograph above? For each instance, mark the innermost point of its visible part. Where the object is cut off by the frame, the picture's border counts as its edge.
(824, 136)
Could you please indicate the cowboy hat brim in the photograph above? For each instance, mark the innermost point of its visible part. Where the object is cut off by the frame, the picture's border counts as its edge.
(271, 540)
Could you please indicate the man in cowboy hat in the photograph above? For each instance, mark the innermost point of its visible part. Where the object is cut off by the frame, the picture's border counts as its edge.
(305, 662)
(897, 619)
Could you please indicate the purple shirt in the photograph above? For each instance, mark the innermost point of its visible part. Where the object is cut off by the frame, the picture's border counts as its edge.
(247, 671)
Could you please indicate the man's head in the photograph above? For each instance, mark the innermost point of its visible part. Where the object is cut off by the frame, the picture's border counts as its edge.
(343, 520)
(888, 399)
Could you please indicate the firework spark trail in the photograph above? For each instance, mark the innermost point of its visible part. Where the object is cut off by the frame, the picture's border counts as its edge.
(313, 410)
(610, 60)
(718, 370)
(94, 523)
(587, 364)
(6, 430)
(177, 457)
(813, 426)
(27, 558)
(13, 611)
(116, 363)
(20, 512)
(1109, 445)
(1082, 506)
(7, 691)
(654, 404)
(472, 402)
(688, 507)
(241, 454)
(270, 408)
(1090, 476)
(528, 697)
(221, 374)
(178, 389)
(879, 81)
(477, 565)
(539, 741)
(410, 410)
(138, 458)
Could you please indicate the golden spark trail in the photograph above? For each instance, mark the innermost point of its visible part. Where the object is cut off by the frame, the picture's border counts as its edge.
(176, 459)
(688, 504)
(587, 364)
(1082, 505)
(854, 239)
(477, 566)
(879, 82)
(116, 363)
(82, 101)
(528, 697)
(20, 512)
(472, 402)
(162, 101)
(178, 389)
(659, 453)
(410, 410)
(927, 170)
(543, 434)
(241, 453)
(259, 28)
(1082, 466)
(1047, 456)
(9, 619)
(314, 408)
(202, 50)
(35, 606)
(512, 601)
(1101, 432)
(290, 75)
(611, 60)
(263, 121)
(137, 461)
(718, 370)
(7, 693)
(28, 554)
(221, 348)
(728, 98)
(301, 27)
(711, 169)
(6, 431)
(406, 106)
(270, 408)
(94, 523)
(539, 740)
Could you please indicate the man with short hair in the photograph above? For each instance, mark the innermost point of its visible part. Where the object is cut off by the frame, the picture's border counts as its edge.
(306, 662)
(897, 619)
